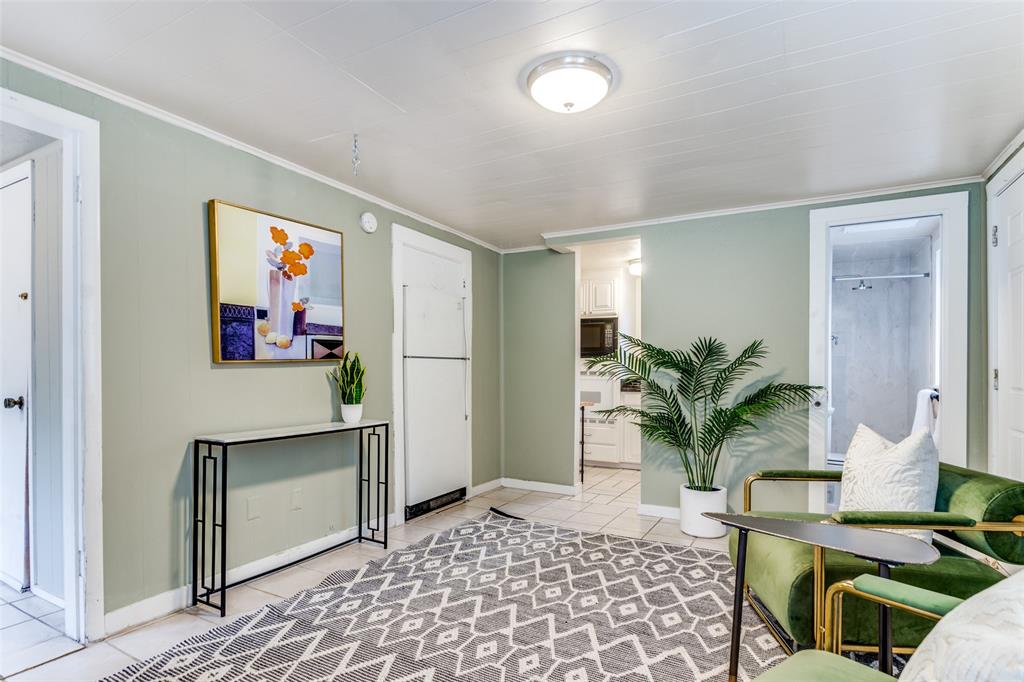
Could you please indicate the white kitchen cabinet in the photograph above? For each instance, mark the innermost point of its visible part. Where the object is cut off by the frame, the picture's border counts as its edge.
(596, 452)
(597, 296)
(602, 297)
(631, 439)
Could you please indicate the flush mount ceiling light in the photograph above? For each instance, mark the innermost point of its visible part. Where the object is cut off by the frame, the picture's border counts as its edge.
(570, 83)
(635, 267)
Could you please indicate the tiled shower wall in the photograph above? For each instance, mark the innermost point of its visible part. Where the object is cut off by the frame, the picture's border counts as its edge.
(882, 351)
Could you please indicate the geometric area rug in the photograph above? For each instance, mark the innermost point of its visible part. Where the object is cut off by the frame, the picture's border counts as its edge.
(492, 600)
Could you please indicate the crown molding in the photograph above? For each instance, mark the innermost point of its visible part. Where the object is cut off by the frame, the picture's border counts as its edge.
(181, 122)
(810, 201)
(1009, 150)
(525, 249)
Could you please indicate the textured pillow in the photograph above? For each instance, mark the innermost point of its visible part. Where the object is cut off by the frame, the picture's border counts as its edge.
(978, 641)
(881, 476)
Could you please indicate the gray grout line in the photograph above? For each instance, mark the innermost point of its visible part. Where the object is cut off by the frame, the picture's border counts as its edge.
(111, 644)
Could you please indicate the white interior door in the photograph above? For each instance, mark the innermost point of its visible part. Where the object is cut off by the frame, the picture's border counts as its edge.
(1006, 273)
(15, 367)
(433, 290)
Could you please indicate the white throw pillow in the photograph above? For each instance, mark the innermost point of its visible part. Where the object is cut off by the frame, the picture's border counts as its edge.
(881, 476)
(982, 640)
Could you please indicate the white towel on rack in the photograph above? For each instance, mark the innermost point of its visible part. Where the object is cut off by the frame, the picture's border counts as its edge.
(926, 414)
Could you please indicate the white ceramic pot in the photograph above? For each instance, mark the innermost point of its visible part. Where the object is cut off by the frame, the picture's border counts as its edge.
(693, 503)
(351, 414)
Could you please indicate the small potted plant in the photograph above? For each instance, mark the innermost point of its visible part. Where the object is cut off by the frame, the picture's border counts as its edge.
(350, 376)
(684, 408)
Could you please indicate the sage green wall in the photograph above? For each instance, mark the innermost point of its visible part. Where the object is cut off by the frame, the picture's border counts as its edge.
(538, 333)
(745, 276)
(160, 388)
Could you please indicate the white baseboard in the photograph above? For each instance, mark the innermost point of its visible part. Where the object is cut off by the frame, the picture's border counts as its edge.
(475, 490)
(658, 510)
(542, 487)
(176, 599)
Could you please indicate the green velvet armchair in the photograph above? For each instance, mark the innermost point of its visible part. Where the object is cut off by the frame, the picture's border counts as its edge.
(815, 666)
(786, 581)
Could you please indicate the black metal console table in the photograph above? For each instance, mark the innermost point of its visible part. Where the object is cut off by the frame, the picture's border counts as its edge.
(205, 466)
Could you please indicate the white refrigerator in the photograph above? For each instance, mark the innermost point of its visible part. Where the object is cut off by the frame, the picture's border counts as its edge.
(436, 379)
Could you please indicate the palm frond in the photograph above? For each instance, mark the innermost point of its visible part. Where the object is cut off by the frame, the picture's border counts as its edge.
(735, 370)
(774, 397)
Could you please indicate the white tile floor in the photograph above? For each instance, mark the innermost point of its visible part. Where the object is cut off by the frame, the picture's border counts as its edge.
(31, 631)
(607, 504)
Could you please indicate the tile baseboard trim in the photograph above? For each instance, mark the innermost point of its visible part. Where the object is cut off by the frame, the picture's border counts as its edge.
(542, 487)
(174, 600)
(658, 510)
(483, 488)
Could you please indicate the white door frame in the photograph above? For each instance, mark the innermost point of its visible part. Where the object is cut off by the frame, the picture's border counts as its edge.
(997, 184)
(81, 397)
(952, 210)
(403, 236)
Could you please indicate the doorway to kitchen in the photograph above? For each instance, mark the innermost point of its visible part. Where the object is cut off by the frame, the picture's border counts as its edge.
(608, 305)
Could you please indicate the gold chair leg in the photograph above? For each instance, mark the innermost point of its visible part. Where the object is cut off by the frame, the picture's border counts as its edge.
(819, 598)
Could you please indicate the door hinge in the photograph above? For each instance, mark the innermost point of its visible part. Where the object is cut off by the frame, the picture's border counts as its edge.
(995, 235)
(995, 380)
(79, 563)
(78, 189)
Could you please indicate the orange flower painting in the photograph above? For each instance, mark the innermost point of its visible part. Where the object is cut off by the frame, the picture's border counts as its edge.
(277, 287)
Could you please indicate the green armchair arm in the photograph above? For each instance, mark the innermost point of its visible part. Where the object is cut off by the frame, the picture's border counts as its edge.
(799, 474)
(896, 519)
(916, 598)
(826, 475)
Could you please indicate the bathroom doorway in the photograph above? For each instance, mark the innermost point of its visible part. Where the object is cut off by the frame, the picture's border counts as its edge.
(888, 327)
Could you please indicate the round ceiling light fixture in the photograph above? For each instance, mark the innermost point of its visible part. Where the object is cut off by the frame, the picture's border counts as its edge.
(569, 83)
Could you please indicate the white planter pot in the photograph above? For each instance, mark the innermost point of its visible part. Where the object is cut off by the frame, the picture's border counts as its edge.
(693, 503)
(351, 414)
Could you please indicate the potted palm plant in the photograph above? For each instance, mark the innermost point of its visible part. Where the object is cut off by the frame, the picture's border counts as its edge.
(684, 408)
(349, 375)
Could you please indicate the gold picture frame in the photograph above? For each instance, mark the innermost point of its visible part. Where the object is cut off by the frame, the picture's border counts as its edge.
(277, 292)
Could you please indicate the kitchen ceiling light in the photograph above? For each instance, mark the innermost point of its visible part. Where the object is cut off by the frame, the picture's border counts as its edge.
(635, 268)
(569, 83)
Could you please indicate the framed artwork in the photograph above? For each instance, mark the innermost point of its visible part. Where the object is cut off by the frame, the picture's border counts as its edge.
(277, 287)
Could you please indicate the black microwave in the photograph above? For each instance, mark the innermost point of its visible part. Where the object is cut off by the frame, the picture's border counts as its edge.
(598, 336)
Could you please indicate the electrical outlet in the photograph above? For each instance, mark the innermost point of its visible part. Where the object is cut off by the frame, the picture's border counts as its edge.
(252, 508)
(296, 499)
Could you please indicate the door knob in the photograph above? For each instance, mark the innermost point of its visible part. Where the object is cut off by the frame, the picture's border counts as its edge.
(18, 402)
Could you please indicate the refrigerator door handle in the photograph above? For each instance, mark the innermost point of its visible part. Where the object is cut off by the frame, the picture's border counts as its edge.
(465, 346)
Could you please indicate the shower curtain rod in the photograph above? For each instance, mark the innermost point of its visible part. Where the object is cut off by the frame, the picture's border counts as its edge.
(854, 278)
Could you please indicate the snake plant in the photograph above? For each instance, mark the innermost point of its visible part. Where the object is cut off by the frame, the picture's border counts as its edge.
(684, 398)
(349, 375)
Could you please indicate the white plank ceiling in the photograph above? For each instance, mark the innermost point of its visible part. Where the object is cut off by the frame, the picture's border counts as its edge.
(720, 104)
